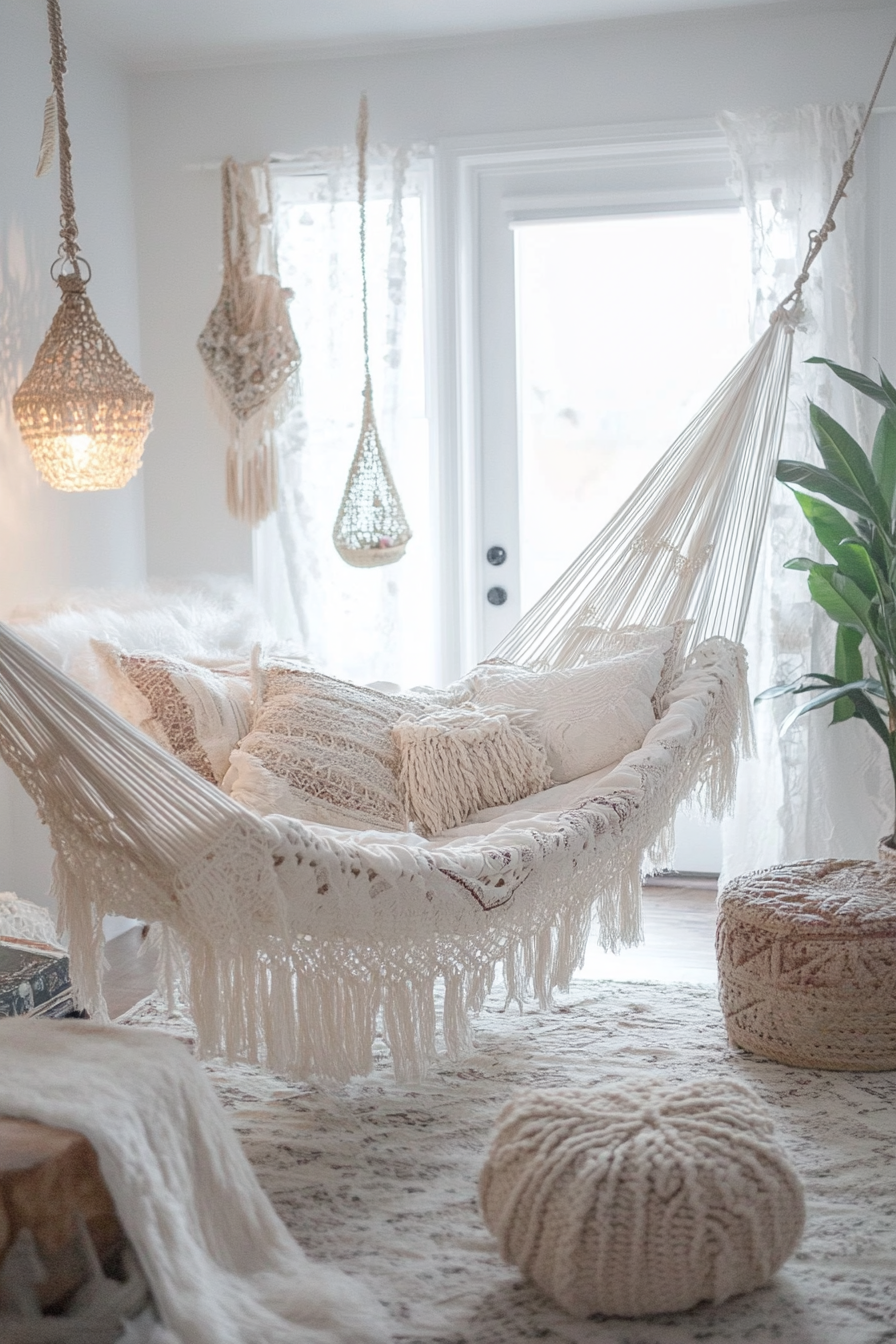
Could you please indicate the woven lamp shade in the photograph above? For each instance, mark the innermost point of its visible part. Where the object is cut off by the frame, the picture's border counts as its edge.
(82, 411)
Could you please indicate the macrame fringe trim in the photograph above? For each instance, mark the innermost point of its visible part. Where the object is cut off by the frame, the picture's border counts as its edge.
(266, 983)
(253, 488)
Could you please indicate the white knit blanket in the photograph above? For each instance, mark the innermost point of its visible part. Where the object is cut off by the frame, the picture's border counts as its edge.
(221, 1266)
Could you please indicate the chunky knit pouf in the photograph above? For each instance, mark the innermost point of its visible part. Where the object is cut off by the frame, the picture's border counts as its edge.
(643, 1198)
(807, 963)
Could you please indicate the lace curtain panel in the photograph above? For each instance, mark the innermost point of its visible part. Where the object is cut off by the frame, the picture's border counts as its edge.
(821, 790)
(363, 625)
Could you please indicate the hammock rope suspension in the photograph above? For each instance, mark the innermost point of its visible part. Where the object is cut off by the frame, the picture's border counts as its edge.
(371, 528)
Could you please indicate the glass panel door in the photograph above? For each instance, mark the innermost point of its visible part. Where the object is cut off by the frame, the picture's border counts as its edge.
(624, 327)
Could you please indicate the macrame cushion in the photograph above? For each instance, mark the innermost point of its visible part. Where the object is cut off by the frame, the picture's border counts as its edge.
(641, 1198)
(586, 717)
(321, 750)
(197, 713)
(455, 761)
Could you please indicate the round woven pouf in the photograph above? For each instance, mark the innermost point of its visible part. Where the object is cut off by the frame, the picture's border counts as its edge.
(643, 1198)
(807, 963)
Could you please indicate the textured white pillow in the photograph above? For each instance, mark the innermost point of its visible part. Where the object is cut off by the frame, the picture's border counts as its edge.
(588, 643)
(321, 750)
(587, 717)
(197, 713)
(455, 761)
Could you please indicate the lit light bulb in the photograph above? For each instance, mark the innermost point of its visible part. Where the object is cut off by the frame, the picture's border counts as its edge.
(80, 446)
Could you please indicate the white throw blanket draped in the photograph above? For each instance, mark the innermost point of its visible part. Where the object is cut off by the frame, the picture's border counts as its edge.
(222, 1267)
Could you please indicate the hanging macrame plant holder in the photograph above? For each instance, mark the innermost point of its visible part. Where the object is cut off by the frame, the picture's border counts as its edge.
(82, 411)
(371, 528)
(248, 344)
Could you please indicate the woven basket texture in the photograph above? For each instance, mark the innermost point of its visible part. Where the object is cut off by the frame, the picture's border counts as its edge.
(807, 963)
(82, 411)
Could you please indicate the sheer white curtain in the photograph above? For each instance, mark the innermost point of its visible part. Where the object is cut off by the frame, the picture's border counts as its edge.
(822, 790)
(375, 624)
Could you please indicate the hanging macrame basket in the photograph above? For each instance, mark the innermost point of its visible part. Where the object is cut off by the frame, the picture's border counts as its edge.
(250, 351)
(371, 528)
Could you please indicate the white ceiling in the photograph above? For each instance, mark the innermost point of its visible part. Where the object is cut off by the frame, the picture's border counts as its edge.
(154, 33)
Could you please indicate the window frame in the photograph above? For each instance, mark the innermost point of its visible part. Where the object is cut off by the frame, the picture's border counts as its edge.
(483, 185)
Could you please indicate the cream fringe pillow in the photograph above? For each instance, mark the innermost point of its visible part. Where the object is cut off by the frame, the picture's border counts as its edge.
(455, 761)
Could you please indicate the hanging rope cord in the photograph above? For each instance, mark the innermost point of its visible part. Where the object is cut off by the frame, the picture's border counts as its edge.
(818, 237)
(68, 232)
(361, 134)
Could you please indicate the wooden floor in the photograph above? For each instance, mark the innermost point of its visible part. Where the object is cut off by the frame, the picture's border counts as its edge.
(679, 931)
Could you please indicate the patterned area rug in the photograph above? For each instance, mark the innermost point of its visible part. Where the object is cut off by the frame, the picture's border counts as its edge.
(381, 1179)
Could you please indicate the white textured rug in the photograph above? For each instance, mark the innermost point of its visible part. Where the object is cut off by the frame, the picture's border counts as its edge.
(381, 1179)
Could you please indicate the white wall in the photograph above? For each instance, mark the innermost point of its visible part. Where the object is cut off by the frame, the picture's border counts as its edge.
(631, 71)
(49, 541)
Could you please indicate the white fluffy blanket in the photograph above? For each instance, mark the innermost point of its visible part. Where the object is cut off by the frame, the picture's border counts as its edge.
(222, 1267)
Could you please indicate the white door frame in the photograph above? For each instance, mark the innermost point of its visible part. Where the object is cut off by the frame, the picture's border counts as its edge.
(483, 185)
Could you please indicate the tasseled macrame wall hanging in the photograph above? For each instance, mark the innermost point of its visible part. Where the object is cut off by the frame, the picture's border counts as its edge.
(371, 528)
(248, 345)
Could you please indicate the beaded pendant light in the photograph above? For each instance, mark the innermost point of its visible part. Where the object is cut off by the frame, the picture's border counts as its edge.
(82, 411)
(371, 528)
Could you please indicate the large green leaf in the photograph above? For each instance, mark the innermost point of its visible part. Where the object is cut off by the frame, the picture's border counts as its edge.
(859, 381)
(864, 707)
(883, 456)
(828, 523)
(798, 687)
(800, 562)
(847, 461)
(822, 482)
(854, 561)
(853, 596)
(824, 591)
(848, 667)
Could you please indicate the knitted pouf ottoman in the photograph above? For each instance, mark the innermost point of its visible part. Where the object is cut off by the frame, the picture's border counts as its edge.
(641, 1197)
(807, 963)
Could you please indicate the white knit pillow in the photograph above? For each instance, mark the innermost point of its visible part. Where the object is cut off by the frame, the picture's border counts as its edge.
(587, 717)
(197, 713)
(321, 750)
(455, 761)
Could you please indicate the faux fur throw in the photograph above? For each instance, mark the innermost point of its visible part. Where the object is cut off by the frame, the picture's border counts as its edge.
(221, 1265)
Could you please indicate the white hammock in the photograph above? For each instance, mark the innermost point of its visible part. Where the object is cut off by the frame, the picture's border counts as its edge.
(297, 936)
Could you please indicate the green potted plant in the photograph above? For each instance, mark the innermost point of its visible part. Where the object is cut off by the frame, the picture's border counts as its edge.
(849, 503)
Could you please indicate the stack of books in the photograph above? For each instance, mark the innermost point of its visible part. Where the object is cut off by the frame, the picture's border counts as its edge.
(34, 979)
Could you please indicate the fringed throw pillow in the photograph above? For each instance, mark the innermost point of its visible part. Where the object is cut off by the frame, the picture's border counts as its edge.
(321, 750)
(587, 717)
(197, 713)
(456, 761)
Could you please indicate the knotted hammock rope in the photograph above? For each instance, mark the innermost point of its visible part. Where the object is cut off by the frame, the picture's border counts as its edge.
(371, 528)
(248, 344)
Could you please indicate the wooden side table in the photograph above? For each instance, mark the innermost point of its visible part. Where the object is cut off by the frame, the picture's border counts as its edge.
(48, 1178)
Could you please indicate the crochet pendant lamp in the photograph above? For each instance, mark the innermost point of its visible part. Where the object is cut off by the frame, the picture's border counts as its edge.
(371, 528)
(82, 411)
